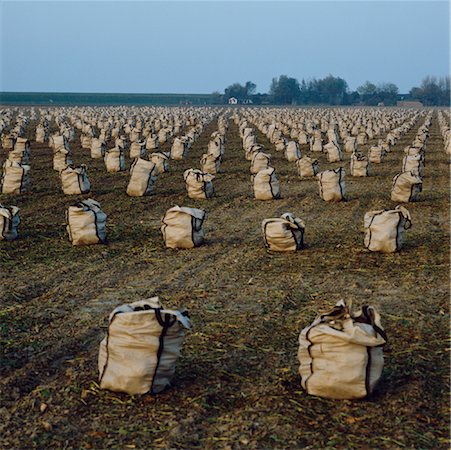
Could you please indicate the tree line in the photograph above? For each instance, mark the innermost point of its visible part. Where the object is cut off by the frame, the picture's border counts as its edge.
(332, 90)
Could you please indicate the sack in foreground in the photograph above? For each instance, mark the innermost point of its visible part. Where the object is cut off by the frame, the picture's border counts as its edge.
(283, 234)
(266, 185)
(142, 345)
(384, 230)
(86, 223)
(182, 227)
(332, 185)
(341, 354)
(9, 222)
(406, 187)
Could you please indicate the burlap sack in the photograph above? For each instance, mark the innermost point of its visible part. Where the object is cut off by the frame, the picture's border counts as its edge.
(161, 161)
(260, 161)
(19, 156)
(58, 142)
(266, 185)
(362, 138)
(307, 167)
(41, 134)
(292, 151)
(350, 144)
(316, 145)
(252, 150)
(414, 164)
(61, 159)
(141, 347)
(376, 154)
(283, 234)
(198, 184)
(85, 141)
(406, 187)
(9, 222)
(360, 165)
(384, 229)
(143, 175)
(114, 160)
(182, 227)
(152, 142)
(75, 180)
(333, 152)
(332, 185)
(15, 178)
(341, 354)
(178, 149)
(137, 149)
(216, 147)
(8, 141)
(210, 163)
(98, 147)
(86, 223)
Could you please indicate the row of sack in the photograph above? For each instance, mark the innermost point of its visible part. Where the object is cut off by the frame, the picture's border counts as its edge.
(183, 227)
(406, 186)
(340, 354)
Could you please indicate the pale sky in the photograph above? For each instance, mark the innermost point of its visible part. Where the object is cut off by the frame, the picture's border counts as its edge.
(200, 47)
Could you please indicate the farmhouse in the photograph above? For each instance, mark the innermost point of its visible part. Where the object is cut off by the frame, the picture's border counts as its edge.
(233, 101)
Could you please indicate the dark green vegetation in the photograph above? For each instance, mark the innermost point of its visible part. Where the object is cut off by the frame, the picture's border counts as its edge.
(60, 98)
(236, 385)
(332, 90)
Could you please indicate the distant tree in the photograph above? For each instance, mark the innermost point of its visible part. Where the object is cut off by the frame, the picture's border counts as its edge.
(239, 91)
(387, 93)
(284, 90)
(332, 90)
(217, 98)
(368, 92)
(250, 88)
(433, 91)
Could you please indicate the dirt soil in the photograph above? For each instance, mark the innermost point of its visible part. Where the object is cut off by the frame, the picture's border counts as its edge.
(236, 384)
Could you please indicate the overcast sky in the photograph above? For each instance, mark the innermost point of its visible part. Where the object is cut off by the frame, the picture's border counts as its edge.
(200, 47)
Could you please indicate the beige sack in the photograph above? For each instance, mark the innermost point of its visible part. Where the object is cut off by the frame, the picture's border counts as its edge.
(341, 354)
(198, 184)
(137, 149)
(61, 159)
(307, 167)
(266, 185)
(316, 145)
(359, 165)
(9, 222)
(332, 185)
(260, 161)
(414, 164)
(179, 149)
(284, 234)
(210, 163)
(407, 187)
(75, 180)
(8, 141)
(292, 151)
(376, 154)
(333, 152)
(114, 160)
(141, 347)
(350, 144)
(182, 227)
(161, 161)
(98, 148)
(143, 175)
(384, 230)
(15, 178)
(152, 142)
(86, 223)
